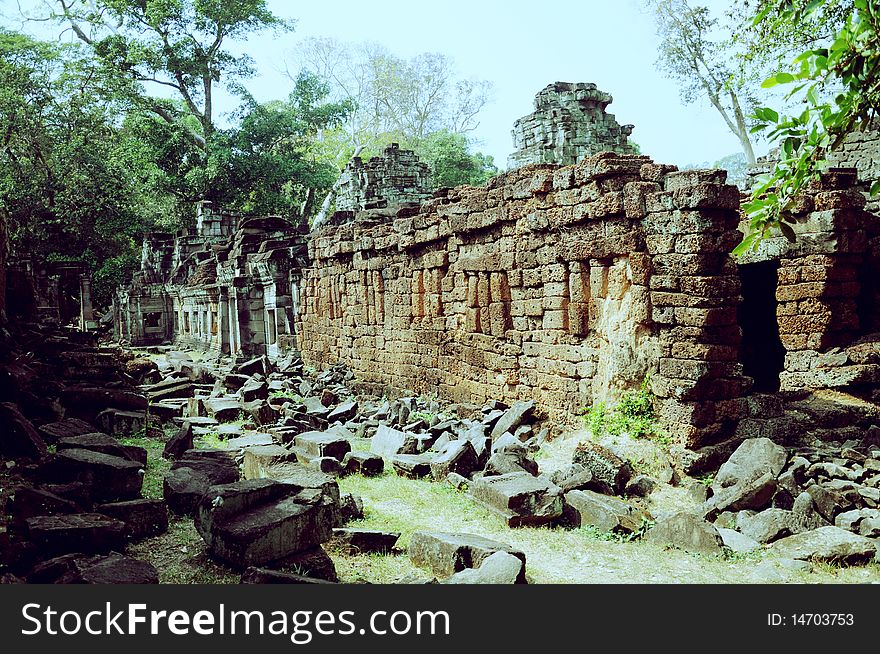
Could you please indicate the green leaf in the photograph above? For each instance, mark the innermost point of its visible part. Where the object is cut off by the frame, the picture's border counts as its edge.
(875, 188)
(784, 78)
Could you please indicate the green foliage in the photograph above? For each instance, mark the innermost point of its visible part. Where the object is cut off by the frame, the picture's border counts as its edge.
(633, 415)
(696, 52)
(836, 84)
(451, 161)
(71, 181)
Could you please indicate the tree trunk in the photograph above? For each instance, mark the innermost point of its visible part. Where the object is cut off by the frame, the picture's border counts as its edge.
(323, 212)
(742, 129)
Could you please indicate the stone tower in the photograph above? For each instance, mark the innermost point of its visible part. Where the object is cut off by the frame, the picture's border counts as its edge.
(568, 124)
(394, 178)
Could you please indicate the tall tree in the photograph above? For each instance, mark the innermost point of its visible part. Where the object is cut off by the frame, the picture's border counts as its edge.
(180, 45)
(392, 99)
(72, 184)
(693, 54)
(835, 81)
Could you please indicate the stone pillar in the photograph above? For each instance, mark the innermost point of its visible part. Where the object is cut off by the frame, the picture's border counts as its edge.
(819, 286)
(690, 230)
(87, 317)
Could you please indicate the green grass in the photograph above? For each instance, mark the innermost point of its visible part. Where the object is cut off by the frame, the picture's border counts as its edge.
(157, 467)
(180, 556)
(556, 555)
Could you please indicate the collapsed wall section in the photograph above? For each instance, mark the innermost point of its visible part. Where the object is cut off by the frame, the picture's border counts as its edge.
(561, 284)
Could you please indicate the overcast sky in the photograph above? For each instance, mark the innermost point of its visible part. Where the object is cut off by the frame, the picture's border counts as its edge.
(518, 45)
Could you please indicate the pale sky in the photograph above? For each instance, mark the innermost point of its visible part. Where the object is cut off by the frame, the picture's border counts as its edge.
(520, 46)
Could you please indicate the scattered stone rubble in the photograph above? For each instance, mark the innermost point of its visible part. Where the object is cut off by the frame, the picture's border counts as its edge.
(549, 288)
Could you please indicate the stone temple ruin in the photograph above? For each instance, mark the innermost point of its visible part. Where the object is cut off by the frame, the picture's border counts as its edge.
(569, 123)
(483, 317)
(561, 283)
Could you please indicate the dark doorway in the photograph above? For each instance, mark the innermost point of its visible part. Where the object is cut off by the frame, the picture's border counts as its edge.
(763, 355)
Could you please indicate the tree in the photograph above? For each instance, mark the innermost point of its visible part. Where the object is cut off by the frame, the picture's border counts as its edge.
(267, 164)
(72, 183)
(451, 163)
(835, 82)
(392, 99)
(701, 64)
(172, 44)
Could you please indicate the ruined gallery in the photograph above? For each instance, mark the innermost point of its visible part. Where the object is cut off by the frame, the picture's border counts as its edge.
(453, 339)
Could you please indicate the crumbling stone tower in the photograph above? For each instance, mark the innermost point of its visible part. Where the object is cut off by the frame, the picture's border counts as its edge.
(569, 123)
(397, 177)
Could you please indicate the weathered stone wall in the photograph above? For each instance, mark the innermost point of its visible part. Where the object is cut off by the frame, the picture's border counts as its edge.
(568, 124)
(826, 296)
(397, 177)
(562, 284)
(861, 150)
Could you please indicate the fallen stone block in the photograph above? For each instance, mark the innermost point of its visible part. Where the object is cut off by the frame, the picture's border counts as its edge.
(737, 542)
(572, 477)
(388, 443)
(258, 521)
(363, 463)
(223, 409)
(512, 418)
(180, 442)
(326, 464)
(261, 412)
(366, 540)
(447, 553)
(254, 389)
(18, 437)
(259, 365)
(497, 568)
(87, 402)
(87, 533)
(604, 512)
(54, 431)
(120, 422)
(829, 502)
(688, 532)
(108, 478)
(241, 444)
(193, 474)
(458, 456)
(747, 480)
(827, 545)
(610, 472)
(170, 388)
(143, 518)
(266, 576)
(520, 498)
(314, 563)
(80, 569)
(323, 444)
(259, 460)
(768, 525)
(105, 445)
(640, 486)
(412, 466)
(351, 507)
(29, 502)
(343, 412)
(502, 463)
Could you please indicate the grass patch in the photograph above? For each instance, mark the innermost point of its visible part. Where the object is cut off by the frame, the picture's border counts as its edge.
(633, 415)
(557, 555)
(157, 466)
(180, 556)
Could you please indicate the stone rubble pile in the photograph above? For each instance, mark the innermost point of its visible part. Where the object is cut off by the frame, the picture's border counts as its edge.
(71, 490)
(816, 503)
